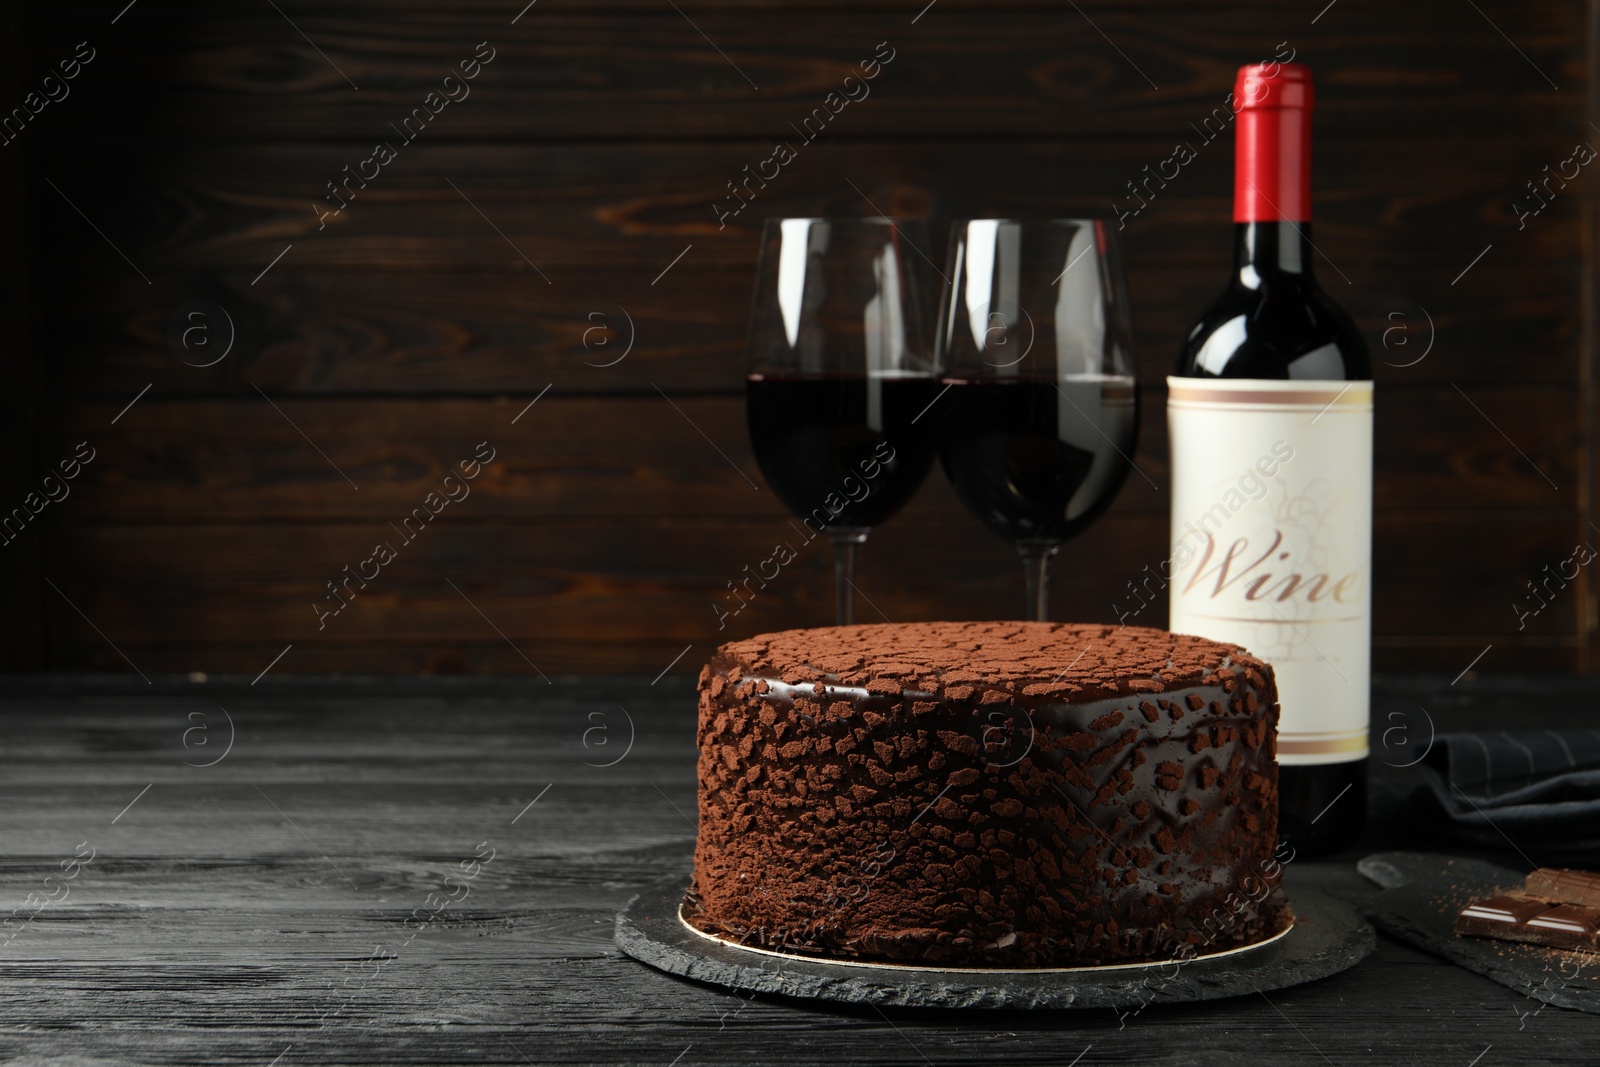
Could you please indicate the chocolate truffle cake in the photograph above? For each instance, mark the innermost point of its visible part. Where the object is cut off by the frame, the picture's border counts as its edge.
(987, 794)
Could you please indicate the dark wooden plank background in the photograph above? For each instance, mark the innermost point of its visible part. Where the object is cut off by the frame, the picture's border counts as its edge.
(22, 401)
(596, 141)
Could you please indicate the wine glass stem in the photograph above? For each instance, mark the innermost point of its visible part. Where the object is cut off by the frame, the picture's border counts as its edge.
(1035, 567)
(845, 539)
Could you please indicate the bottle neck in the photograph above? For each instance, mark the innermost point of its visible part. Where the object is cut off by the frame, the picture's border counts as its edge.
(1268, 253)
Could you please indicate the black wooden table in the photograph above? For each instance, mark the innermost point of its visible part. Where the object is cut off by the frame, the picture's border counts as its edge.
(426, 871)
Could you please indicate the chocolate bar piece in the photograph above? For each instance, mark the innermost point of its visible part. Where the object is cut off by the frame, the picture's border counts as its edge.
(1515, 917)
(1567, 926)
(1564, 886)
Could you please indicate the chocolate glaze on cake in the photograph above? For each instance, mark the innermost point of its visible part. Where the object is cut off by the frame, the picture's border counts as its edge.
(987, 794)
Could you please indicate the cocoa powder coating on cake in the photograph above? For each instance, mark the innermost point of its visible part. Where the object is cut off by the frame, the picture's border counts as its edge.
(987, 794)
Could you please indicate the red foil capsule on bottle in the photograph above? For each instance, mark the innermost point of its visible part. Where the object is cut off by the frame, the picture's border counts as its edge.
(1272, 146)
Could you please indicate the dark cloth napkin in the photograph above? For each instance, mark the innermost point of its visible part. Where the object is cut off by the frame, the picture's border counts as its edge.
(1541, 783)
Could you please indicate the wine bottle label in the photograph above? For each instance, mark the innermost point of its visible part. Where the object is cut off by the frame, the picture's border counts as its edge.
(1272, 543)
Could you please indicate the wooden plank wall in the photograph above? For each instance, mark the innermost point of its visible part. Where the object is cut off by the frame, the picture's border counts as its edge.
(374, 349)
(22, 400)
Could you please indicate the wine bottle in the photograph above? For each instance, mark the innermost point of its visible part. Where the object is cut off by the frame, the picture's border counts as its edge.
(1270, 420)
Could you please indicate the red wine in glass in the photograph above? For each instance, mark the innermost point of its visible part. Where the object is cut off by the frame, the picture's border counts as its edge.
(841, 451)
(839, 373)
(1038, 409)
(1038, 460)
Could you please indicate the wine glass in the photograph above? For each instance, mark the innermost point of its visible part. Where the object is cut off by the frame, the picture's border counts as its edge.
(1039, 411)
(840, 372)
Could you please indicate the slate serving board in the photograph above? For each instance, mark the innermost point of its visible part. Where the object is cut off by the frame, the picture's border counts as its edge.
(1422, 893)
(1328, 937)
